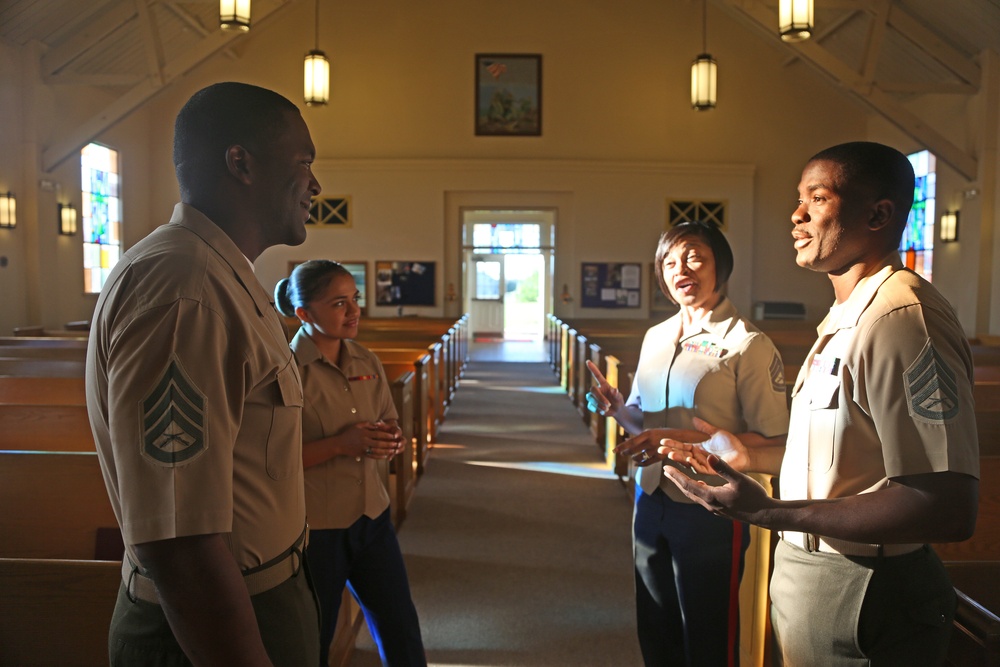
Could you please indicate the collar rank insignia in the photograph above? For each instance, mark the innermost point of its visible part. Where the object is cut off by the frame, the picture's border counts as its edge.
(173, 419)
(777, 372)
(931, 388)
(706, 347)
(824, 365)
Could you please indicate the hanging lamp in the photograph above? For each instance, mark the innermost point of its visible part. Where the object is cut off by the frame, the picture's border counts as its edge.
(317, 73)
(234, 15)
(795, 20)
(704, 71)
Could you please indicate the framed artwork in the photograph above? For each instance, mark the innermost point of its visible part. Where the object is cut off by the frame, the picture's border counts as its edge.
(360, 272)
(608, 285)
(404, 283)
(508, 95)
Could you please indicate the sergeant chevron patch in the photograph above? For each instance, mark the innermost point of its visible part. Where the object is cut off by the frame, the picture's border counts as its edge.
(931, 390)
(173, 419)
(777, 372)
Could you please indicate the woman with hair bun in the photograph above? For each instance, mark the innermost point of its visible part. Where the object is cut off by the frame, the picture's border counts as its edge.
(350, 431)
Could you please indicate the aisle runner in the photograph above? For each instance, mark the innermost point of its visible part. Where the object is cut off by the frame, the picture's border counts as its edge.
(518, 539)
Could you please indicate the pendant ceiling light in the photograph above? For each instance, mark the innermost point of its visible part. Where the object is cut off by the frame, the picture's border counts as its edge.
(317, 73)
(704, 71)
(234, 14)
(795, 19)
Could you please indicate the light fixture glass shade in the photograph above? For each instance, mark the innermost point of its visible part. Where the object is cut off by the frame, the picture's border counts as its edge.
(317, 78)
(795, 19)
(949, 226)
(234, 14)
(8, 210)
(704, 77)
(67, 219)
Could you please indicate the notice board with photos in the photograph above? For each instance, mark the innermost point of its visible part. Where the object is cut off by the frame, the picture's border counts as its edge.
(611, 285)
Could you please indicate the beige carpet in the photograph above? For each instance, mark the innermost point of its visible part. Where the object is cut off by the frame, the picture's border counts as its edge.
(518, 539)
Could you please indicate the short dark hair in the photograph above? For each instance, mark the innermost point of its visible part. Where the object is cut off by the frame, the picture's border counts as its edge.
(884, 170)
(219, 116)
(307, 282)
(705, 231)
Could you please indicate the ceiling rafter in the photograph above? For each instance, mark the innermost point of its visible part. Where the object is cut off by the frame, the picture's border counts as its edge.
(152, 46)
(875, 94)
(92, 34)
(140, 93)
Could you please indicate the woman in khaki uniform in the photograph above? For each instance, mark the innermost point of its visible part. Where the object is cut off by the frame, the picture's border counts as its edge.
(350, 432)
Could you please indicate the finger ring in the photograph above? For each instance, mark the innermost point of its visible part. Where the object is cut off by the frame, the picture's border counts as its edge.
(645, 455)
(368, 451)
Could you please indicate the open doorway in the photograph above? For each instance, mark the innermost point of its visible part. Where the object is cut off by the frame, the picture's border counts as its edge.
(508, 268)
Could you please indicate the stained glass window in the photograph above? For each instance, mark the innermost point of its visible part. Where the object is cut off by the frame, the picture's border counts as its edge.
(917, 245)
(101, 214)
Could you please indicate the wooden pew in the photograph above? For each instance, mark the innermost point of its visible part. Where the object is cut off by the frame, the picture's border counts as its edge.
(42, 367)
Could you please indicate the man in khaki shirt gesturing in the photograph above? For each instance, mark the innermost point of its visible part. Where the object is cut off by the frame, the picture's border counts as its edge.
(882, 454)
(195, 401)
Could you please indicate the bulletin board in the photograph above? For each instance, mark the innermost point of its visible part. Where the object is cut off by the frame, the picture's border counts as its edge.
(404, 283)
(609, 285)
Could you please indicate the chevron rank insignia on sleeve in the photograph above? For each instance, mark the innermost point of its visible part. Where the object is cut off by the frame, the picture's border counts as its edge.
(777, 372)
(931, 389)
(173, 419)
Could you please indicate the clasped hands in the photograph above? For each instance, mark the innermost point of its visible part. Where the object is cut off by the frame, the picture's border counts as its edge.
(378, 440)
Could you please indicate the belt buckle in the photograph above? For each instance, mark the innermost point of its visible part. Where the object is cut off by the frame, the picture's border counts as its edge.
(810, 543)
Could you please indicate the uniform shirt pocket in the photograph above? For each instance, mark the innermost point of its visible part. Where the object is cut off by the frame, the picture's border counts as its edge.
(824, 399)
(284, 446)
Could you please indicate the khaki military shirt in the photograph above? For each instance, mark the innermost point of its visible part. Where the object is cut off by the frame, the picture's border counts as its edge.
(338, 395)
(727, 372)
(194, 397)
(886, 391)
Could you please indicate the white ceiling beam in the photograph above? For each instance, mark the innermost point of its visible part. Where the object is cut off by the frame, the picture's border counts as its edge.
(71, 79)
(152, 46)
(931, 42)
(191, 22)
(64, 148)
(876, 37)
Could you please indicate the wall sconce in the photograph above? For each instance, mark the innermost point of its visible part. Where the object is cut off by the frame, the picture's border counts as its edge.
(949, 226)
(450, 295)
(795, 20)
(8, 210)
(704, 72)
(234, 15)
(317, 73)
(565, 296)
(67, 219)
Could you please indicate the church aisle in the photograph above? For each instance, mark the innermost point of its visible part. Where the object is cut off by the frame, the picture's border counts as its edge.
(518, 539)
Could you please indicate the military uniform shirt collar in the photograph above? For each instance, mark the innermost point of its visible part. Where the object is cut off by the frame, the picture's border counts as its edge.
(720, 321)
(197, 222)
(306, 351)
(846, 316)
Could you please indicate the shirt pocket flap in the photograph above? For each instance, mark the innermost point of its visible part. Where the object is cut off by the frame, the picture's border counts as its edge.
(824, 394)
(290, 387)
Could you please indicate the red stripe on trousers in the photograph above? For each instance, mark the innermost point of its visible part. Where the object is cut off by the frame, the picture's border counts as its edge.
(734, 591)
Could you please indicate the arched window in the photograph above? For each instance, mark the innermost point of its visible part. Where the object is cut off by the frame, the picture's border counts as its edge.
(101, 214)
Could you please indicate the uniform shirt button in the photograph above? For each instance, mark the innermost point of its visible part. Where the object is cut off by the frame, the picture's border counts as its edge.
(359, 482)
(347, 387)
(354, 411)
(358, 459)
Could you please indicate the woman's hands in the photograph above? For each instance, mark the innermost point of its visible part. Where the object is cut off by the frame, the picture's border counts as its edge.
(603, 399)
(645, 448)
(375, 440)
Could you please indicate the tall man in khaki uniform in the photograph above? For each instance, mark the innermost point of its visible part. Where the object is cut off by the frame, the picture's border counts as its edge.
(195, 401)
(882, 454)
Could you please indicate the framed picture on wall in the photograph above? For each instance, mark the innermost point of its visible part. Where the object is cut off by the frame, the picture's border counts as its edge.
(404, 283)
(360, 272)
(508, 95)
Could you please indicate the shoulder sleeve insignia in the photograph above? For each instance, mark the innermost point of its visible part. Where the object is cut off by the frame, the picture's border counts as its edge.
(777, 372)
(931, 389)
(173, 419)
